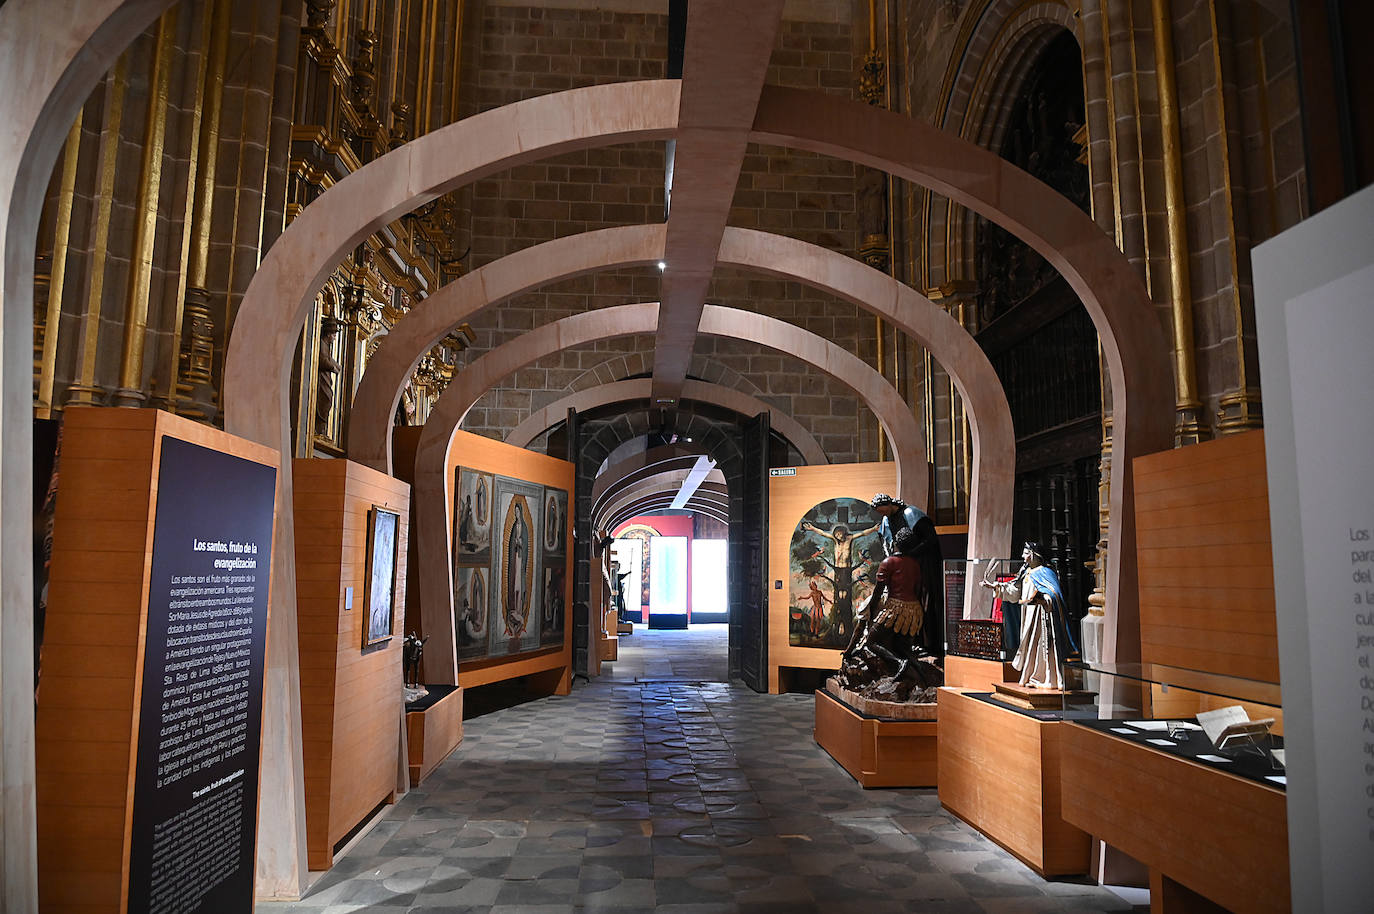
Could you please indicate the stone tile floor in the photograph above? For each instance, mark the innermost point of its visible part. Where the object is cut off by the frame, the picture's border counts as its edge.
(682, 797)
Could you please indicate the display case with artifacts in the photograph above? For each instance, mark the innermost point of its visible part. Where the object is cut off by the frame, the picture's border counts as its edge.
(982, 630)
(979, 622)
(1223, 722)
(1162, 755)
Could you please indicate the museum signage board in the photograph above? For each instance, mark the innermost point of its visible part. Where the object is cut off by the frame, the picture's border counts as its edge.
(200, 718)
(150, 703)
(1314, 305)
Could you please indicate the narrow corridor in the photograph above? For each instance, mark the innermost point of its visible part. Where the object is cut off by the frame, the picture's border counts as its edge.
(681, 797)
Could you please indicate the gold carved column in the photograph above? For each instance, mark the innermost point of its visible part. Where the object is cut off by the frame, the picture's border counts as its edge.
(195, 391)
(1187, 406)
(130, 391)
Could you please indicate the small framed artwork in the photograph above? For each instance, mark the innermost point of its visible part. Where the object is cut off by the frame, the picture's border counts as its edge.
(383, 528)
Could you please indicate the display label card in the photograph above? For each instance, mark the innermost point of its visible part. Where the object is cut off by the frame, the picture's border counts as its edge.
(1162, 742)
(200, 719)
(1125, 730)
(1216, 759)
(1151, 725)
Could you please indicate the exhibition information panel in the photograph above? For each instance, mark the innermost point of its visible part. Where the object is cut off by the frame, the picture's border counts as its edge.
(200, 718)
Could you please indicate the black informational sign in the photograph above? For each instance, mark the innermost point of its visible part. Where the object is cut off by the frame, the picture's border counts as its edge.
(200, 719)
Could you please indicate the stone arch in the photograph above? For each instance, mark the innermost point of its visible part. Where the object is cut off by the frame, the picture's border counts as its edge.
(52, 53)
(277, 301)
(639, 389)
(1133, 343)
(374, 402)
(710, 499)
(642, 363)
(776, 255)
(431, 457)
(999, 49)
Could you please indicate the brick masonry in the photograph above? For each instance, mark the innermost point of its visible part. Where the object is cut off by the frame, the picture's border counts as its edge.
(528, 51)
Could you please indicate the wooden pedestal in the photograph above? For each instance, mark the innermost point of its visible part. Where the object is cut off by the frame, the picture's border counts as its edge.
(433, 734)
(1218, 835)
(976, 675)
(877, 753)
(610, 649)
(1000, 773)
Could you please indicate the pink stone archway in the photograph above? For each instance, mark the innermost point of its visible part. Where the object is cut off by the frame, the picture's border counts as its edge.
(640, 389)
(431, 495)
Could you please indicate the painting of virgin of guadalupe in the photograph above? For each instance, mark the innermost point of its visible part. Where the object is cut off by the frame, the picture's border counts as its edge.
(471, 516)
(515, 565)
(555, 520)
(470, 612)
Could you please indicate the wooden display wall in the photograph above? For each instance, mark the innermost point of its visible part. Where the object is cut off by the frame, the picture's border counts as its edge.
(789, 499)
(486, 455)
(351, 700)
(1206, 565)
(92, 662)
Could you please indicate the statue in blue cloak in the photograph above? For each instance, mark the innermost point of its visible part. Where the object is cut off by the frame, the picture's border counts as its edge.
(1046, 637)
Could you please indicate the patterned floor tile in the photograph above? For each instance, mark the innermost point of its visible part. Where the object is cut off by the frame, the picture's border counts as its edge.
(661, 787)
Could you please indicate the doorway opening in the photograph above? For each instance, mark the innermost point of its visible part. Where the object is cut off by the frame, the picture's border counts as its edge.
(665, 522)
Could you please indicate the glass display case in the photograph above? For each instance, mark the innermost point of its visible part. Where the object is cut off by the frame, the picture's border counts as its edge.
(1224, 722)
(978, 623)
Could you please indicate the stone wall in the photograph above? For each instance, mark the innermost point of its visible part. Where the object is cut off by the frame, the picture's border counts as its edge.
(526, 51)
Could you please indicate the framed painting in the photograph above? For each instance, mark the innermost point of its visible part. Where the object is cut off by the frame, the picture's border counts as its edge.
(383, 534)
(517, 586)
(555, 520)
(833, 556)
(470, 612)
(472, 509)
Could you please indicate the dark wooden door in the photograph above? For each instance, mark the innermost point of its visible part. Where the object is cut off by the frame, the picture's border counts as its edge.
(748, 538)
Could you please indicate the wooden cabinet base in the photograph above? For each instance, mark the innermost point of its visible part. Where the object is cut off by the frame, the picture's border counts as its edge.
(975, 674)
(610, 649)
(433, 734)
(877, 753)
(1000, 773)
(1201, 831)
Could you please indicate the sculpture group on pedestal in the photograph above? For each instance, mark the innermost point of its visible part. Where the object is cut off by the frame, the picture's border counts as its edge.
(896, 651)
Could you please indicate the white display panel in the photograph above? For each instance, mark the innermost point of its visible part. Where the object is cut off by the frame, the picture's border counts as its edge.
(667, 576)
(1314, 310)
(709, 575)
